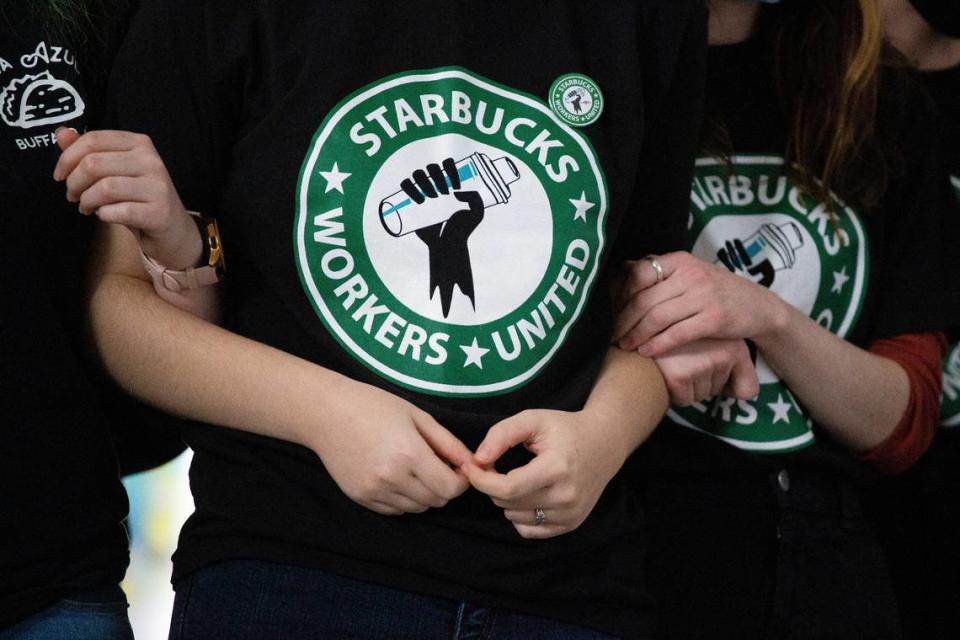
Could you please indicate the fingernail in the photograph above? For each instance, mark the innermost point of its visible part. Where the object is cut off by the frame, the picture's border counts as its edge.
(483, 453)
(56, 132)
(644, 350)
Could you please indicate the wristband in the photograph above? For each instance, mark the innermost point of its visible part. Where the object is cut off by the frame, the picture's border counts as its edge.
(211, 269)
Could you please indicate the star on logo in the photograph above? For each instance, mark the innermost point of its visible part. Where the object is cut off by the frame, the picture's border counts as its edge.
(582, 207)
(840, 278)
(334, 178)
(781, 409)
(475, 354)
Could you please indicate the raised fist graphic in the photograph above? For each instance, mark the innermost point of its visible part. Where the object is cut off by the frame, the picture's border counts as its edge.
(447, 240)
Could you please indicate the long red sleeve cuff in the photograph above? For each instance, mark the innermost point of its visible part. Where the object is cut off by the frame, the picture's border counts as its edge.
(921, 356)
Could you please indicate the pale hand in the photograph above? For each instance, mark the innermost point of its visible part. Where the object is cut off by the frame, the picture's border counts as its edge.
(706, 368)
(120, 177)
(573, 463)
(695, 300)
(389, 456)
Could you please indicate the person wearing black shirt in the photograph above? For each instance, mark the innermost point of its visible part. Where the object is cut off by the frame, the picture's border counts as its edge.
(818, 231)
(67, 434)
(63, 548)
(420, 203)
(919, 511)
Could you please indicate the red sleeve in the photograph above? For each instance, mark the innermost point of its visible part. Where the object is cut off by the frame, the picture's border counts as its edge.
(921, 356)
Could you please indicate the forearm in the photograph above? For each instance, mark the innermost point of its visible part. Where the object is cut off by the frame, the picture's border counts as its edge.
(630, 396)
(189, 367)
(202, 302)
(857, 396)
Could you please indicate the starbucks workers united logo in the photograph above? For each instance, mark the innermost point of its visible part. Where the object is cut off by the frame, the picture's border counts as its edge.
(752, 219)
(448, 230)
(576, 99)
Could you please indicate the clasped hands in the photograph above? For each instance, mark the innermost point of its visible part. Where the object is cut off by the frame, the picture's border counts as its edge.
(693, 317)
(394, 458)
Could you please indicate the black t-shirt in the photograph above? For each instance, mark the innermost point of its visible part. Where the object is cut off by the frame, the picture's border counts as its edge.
(944, 87)
(61, 501)
(570, 129)
(875, 275)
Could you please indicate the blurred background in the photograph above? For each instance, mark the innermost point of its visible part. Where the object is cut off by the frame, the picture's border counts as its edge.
(160, 502)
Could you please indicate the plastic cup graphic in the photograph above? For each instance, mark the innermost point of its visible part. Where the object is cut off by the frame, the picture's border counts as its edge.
(776, 244)
(401, 215)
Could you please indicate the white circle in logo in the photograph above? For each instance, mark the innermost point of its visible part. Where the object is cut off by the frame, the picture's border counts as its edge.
(509, 250)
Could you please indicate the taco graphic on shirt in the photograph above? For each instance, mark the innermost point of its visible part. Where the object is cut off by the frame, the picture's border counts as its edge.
(37, 100)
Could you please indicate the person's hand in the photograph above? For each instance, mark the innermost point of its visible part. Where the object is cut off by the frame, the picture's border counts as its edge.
(574, 460)
(119, 177)
(703, 369)
(389, 456)
(695, 300)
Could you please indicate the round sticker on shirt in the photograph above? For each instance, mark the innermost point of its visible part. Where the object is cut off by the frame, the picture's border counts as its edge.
(449, 230)
(576, 99)
(753, 220)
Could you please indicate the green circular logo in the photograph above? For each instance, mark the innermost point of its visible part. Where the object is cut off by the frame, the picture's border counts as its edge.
(753, 220)
(449, 230)
(576, 99)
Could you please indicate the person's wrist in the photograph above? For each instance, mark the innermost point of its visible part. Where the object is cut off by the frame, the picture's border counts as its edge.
(611, 433)
(322, 432)
(778, 315)
(177, 248)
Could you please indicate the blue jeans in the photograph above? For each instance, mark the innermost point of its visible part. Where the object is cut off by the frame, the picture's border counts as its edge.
(91, 615)
(252, 600)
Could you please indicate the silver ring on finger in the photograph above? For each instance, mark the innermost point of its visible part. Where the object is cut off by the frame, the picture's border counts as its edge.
(652, 259)
(540, 516)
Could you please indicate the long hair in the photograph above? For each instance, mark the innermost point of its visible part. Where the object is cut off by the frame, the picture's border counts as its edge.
(91, 29)
(73, 20)
(826, 57)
